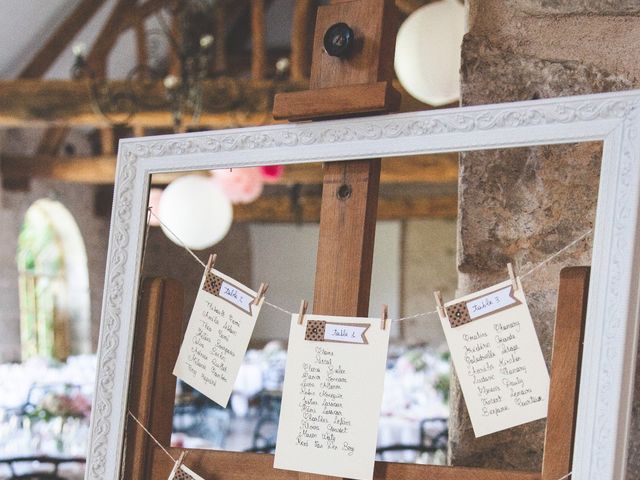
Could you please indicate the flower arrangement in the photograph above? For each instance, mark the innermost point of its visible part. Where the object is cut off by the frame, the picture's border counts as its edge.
(64, 405)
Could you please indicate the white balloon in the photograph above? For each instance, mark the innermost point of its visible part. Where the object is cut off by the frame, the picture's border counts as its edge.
(428, 46)
(196, 211)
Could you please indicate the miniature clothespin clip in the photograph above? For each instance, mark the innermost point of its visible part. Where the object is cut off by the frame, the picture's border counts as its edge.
(441, 311)
(177, 465)
(210, 263)
(512, 276)
(261, 291)
(384, 317)
(303, 310)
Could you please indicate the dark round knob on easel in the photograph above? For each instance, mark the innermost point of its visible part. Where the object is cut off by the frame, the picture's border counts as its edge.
(338, 40)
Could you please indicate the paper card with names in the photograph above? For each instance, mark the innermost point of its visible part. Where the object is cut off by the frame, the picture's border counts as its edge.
(217, 336)
(332, 395)
(497, 357)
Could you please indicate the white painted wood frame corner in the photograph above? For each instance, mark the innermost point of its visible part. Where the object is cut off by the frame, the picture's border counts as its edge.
(606, 384)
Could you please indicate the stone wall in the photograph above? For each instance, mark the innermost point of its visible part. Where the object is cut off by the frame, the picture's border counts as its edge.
(522, 205)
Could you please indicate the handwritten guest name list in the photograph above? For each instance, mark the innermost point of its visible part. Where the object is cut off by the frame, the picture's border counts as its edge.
(497, 358)
(332, 394)
(217, 336)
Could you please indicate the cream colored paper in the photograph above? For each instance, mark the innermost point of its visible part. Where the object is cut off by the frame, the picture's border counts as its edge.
(498, 360)
(217, 337)
(332, 397)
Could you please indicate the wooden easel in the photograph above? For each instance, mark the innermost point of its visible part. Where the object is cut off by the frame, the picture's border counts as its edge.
(152, 391)
(357, 83)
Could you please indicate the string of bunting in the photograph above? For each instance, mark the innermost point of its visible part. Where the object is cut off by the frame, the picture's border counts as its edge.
(303, 305)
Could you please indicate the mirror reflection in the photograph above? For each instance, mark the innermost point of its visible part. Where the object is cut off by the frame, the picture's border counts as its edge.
(264, 228)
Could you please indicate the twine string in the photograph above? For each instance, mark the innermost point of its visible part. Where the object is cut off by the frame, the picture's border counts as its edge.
(410, 317)
(151, 436)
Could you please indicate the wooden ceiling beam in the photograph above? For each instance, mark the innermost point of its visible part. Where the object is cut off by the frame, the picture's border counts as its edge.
(65, 33)
(280, 209)
(27, 102)
(437, 169)
(98, 56)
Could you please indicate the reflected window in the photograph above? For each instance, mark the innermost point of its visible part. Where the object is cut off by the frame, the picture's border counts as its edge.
(53, 284)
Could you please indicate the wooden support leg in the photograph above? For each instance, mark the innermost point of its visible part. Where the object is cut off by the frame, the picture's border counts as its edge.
(347, 231)
(152, 388)
(568, 336)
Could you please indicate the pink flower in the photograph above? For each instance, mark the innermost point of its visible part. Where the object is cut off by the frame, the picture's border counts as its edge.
(271, 173)
(241, 185)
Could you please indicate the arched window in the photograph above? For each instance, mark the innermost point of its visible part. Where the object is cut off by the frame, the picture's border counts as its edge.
(53, 283)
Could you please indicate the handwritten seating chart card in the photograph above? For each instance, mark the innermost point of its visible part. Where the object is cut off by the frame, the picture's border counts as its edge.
(332, 395)
(220, 327)
(497, 357)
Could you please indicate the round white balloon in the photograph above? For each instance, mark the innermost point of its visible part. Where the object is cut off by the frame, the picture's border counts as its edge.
(427, 59)
(196, 211)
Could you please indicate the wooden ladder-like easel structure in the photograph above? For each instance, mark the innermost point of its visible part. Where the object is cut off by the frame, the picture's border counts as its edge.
(152, 393)
(353, 81)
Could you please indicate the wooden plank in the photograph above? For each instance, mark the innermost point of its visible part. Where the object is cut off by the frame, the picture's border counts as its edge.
(566, 359)
(254, 466)
(336, 101)
(278, 209)
(437, 169)
(152, 386)
(142, 51)
(350, 189)
(98, 56)
(25, 102)
(300, 39)
(258, 40)
(51, 50)
(345, 244)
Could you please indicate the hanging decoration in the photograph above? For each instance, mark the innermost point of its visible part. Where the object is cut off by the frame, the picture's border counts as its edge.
(428, 46)
(195, 212)
(271, 173)
(240, 185)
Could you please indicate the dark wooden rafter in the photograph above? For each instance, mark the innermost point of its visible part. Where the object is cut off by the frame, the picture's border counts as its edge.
(55, 45)
(437, 169)
(25, 102)
(52, 140)
(125, 14)
(98, 56)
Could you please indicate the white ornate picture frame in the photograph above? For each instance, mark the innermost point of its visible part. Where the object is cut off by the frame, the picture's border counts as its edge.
(610, 344)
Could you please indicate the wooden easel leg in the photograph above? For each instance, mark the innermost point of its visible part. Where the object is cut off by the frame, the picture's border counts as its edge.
(568, 337)
(152, 387)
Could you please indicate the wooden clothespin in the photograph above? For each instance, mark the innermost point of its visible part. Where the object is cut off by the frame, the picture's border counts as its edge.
(303, 310)
(261, 291)
(439, 303)
(177, 465)
(512, 276)
(210, 263)
(384, 317)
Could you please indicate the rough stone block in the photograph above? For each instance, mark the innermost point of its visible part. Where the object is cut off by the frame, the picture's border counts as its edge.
(579, 7)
